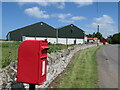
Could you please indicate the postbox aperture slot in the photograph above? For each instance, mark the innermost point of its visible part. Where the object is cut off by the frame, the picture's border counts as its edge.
(45, 47)
(44, 41)
(44, 58)
(44, 51)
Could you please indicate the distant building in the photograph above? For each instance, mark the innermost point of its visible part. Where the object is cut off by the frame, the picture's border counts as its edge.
(3, 40)
(69, 34)
(104, 41)
(93, 40)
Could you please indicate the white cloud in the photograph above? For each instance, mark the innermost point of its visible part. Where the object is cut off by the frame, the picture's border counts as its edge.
(103, 21)
(81, 4)
(68, 17)
(65, 21)
(61, 0)
(61, 5)
(36, 12)
(84, 3)
(61, 15)
(57, 3)
(40, 0)
(44, 3)
(106, 23)
(78, 18)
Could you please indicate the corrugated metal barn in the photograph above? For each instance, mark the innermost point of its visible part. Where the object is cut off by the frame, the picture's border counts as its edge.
(69, 34)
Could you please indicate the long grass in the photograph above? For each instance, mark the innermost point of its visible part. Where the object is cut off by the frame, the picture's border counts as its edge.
(10, 51)
(82, 73)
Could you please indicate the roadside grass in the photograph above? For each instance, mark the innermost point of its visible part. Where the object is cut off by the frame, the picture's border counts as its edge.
(56, 47)
(82, 73)
(10, 51)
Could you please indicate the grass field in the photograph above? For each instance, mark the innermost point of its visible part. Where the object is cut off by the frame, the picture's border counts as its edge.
(82, 73)
(10, 51)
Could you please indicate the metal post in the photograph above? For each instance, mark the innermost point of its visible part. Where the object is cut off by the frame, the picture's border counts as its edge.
(57, 36)
(31, 86)
(35, 37)
(9, 37)
(98, 28)
(67, 42)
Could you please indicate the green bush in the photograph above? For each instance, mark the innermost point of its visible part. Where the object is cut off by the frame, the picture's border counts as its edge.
(115, 39)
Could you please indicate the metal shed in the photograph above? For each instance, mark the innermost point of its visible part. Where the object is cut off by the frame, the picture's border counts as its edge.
(70, 34)
(40, 29)
(70, 31)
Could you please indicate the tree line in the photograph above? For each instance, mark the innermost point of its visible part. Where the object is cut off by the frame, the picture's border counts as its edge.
(114, 39)
(95, 35)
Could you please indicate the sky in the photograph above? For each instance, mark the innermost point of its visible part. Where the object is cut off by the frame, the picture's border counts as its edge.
(85, 15)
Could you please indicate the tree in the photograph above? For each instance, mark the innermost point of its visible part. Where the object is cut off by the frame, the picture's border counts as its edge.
(93, 35)
(115, 39)
(89, 35)
(109, 38)
(97, 35)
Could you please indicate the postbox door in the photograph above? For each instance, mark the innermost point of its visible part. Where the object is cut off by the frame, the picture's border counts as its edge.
(43, 61)
(28, 62)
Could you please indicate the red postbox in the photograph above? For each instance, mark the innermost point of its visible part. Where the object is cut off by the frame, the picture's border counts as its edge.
(32, 61)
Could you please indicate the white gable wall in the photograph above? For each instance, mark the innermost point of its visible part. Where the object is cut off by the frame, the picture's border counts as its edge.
(54, 40)
(80, 41)
(28, 38)
(61, 40)
(71, 41)
(40, 38)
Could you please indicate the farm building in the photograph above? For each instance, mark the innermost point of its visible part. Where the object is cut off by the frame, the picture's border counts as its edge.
(104, 41)
(93, 40)
(37, 31)
(69, 34)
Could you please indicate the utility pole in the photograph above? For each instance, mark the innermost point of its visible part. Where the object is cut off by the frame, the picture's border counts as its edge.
(98, 28)
(97, 32)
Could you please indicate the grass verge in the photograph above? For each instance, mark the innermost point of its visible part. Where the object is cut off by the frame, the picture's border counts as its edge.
(82, 73)
(10, 51)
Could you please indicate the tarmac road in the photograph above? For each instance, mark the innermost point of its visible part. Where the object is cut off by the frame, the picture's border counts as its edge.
(107, 58)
